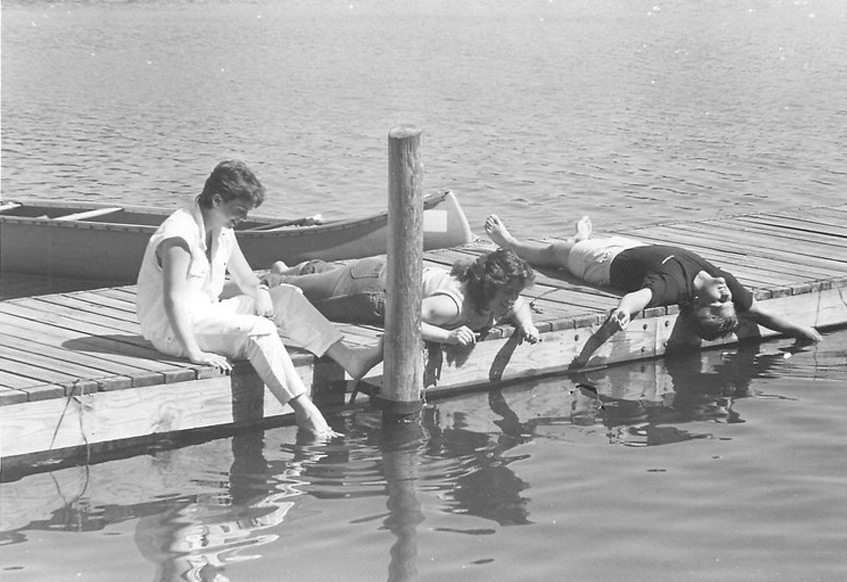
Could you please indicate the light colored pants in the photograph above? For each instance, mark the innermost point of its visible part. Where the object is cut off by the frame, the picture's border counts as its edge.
(231, 329)
(591, 259)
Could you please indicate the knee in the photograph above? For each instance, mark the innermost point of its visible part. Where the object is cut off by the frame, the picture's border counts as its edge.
(263, 327)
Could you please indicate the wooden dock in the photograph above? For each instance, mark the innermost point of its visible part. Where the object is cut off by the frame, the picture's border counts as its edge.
(77, 378)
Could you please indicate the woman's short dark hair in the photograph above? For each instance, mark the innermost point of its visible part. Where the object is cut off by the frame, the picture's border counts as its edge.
(232, 179)
(490, 273)
(706, 324)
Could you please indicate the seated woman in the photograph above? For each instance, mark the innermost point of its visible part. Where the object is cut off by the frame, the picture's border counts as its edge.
(473, 296)
(181, 313)
(709, 298)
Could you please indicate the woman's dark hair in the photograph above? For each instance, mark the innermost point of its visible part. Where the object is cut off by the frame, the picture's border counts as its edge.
(706, 324)
(491, 272)
(232, 179)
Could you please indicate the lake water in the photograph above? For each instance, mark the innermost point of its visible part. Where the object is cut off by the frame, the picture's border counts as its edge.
(727, 467)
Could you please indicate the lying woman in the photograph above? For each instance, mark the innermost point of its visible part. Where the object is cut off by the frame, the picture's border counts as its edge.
(473, 296)
(710, 299)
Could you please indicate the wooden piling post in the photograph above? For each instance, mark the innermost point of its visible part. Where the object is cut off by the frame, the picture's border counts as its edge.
(403, 368)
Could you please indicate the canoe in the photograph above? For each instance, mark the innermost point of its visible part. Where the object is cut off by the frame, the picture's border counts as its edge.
(103, 242)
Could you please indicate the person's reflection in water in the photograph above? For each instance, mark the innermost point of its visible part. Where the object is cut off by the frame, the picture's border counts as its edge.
(194, 540)
(488, 488)
(688, 387)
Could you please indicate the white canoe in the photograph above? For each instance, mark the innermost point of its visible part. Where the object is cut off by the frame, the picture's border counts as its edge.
(102, 242)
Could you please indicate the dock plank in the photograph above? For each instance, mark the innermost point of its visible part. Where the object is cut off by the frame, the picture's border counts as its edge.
(103, 380)
(770, 247)
(749, 260)
(44, 346)
(805, 224)
(87, 309)
(161, 367)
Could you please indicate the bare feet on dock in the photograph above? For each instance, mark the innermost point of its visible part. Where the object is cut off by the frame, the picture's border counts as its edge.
(497, 232)
(367, 358)
(583, 229)
(279, 268)
(357, 361)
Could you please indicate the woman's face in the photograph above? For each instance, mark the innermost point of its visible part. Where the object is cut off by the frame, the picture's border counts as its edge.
(229, 214)
(505, 297)
(716, 295)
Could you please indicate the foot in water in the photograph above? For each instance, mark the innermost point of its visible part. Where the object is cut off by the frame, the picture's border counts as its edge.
(497, 232)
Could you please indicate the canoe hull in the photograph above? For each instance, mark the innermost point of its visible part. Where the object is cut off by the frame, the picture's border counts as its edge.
(112, 251)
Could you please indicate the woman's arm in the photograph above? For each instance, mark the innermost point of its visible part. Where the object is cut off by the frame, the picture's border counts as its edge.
(777, 323)
(249, 283)
(176, 259)
(630, 304)
(437, 311)
(521, 316)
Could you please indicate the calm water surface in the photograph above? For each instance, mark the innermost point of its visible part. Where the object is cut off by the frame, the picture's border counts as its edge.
(725, 467)
(633, 111)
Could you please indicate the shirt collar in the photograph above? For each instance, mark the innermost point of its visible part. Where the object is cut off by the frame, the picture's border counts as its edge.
(197, 215)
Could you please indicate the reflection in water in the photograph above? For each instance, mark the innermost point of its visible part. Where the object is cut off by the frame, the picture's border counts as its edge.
(400, 451)
(200, 510)
(638, 405)
(195, 541)
(688, 387)
(487, 487)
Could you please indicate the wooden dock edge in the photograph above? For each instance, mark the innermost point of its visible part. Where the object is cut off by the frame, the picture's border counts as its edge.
(89, 424)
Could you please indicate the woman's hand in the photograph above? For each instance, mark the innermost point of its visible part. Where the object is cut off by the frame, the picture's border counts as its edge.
(531, 333)
(619, 319)
(462, 336)
(210, 359)
(808, 334)
(264, 303)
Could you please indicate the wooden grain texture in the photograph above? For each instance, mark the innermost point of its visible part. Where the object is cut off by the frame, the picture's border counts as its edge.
(403, 368)
(88, 419)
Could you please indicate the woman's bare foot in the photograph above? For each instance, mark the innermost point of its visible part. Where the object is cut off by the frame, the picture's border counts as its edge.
(309, 419)
(357, 361)
(497, 232)
(281, 269)
(583, 229)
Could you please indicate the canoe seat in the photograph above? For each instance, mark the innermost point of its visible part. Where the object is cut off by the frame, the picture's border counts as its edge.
(88, 214)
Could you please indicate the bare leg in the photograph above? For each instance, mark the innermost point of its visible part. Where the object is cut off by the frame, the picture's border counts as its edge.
(357, 361)
(542, 254)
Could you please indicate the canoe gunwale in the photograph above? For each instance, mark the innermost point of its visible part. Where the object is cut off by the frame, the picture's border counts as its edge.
(37, 245)
(430, 201)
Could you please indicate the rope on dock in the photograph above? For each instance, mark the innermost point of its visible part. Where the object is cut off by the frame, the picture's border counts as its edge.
(73, 396)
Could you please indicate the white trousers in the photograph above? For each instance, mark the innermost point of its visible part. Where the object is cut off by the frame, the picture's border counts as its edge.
(230, 329)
